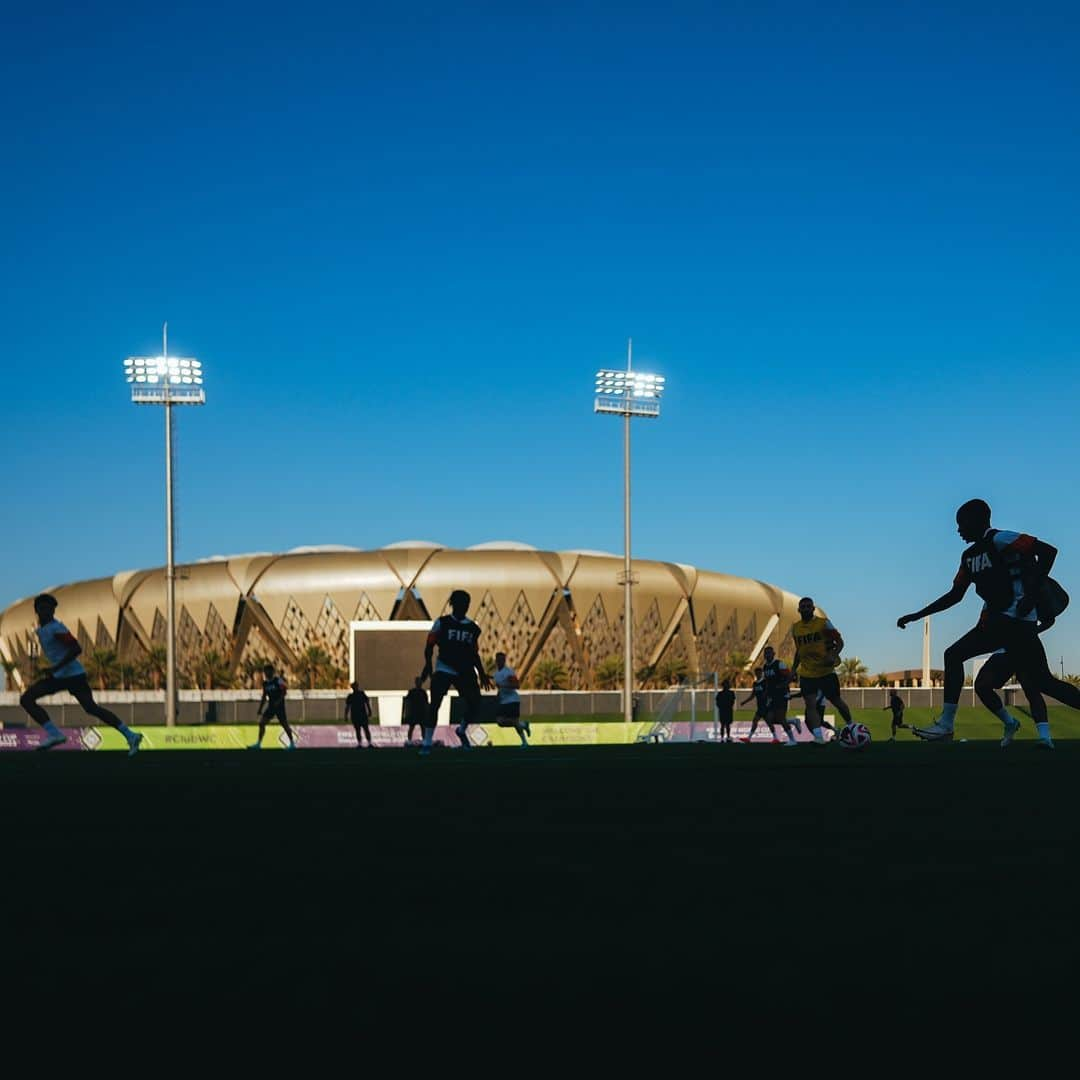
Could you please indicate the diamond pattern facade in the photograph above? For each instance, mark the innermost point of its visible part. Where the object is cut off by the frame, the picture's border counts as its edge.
(563, 607)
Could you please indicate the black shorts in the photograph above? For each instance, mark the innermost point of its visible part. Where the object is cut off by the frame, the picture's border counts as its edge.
(76, 685)
(508, 711)
(466, 685)
(724, 719)
(809, 685)
(777, 705)
(275, 712)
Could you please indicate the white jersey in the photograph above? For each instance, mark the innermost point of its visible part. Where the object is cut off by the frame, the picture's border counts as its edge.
(508, 695)
(56, 642)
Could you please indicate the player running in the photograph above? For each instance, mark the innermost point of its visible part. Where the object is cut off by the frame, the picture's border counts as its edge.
(818, 645)
(272, 707)
(777, 676)
(459, 665)
(61, 648)
(996, 672)
(1008, 570)
(508, 706)
(759, 695)
(896, 703)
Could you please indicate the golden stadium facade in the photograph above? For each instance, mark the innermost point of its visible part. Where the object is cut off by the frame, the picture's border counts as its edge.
(565, 606)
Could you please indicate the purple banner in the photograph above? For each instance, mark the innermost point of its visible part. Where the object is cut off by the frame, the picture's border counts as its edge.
(330, 736)
(32, 738)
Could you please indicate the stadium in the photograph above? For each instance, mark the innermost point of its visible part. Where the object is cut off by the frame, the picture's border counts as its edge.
(561, 607)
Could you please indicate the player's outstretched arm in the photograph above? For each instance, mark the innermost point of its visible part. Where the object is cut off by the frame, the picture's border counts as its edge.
(942, 603)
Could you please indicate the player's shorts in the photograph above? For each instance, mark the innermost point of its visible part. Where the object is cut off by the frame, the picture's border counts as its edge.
(466, 685)
(776, 706)
(275, 712)
(53, 684)
(508, 713)
(829, 684)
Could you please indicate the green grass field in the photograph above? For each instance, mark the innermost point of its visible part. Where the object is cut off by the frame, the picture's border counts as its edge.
(903, 870)
(971, 722)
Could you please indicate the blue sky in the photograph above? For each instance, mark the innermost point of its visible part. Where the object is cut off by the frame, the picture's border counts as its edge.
(402, 239)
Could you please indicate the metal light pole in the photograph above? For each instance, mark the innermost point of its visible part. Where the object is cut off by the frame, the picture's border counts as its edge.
(168, 381)
(628, 394)
(926, 651)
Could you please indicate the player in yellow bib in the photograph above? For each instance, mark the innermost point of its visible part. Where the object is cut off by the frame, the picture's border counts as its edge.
(817, 652)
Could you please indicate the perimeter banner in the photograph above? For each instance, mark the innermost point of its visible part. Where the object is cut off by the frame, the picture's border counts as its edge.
(343, 736)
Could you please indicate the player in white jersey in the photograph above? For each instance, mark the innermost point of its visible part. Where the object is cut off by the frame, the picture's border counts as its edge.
(61, 649)
(508, 707)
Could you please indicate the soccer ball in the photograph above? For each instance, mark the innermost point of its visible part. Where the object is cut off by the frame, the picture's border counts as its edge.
(855, 736)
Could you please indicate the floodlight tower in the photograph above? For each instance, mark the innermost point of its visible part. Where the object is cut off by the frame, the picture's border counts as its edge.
(926, 652)
(167, 380)
(628, 394)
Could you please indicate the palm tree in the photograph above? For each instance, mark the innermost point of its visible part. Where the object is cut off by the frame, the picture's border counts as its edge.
(851, 671)
(646, 676)
(211, 671)
(312, 666)
(609, 673)
(1073, 679)
(881, 679)
(128, 671)
(336, 677)
(102, 666)
(548, 675)
(10, 667)
(671, 671)
(734, 668)
(251, 670)
(152, 666)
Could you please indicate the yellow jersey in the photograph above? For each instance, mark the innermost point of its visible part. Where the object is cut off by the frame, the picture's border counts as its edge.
(813, 638)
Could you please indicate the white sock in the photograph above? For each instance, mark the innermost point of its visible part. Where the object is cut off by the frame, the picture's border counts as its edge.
(948, 714)
(1043, 730)
(51, 729)
(1005, 717)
